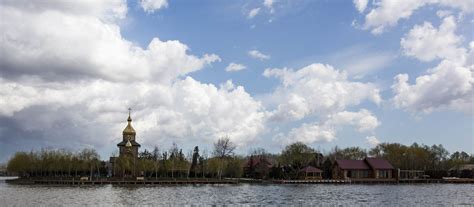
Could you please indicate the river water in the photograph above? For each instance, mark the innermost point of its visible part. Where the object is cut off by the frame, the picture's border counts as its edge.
(243, 194)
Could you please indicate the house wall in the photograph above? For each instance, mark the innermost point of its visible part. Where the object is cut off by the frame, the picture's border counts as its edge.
(339, 173)
(383, 174)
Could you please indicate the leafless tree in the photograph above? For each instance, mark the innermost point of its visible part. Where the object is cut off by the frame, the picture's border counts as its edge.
(223, 148)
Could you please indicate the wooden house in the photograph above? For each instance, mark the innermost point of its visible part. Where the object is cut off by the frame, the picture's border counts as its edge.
(368, 168)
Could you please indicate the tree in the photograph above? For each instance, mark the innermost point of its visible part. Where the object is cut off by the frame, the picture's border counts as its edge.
(19, 164)
(350, 153)
(223, 149)
(174, 151)
(327, 168)
(296, 156)
(233, 167)
(156, 160)
(203, 162)
(194, 162)
(258, 164)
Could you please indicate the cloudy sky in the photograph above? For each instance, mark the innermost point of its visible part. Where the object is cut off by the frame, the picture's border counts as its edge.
(263, 72)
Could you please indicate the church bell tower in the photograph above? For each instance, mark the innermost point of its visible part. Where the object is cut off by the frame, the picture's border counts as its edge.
(128, 145)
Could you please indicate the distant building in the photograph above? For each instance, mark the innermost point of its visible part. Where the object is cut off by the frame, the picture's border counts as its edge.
(462, 171)
(128, 145)
(128, 150)
(311, 173)
(368, 168)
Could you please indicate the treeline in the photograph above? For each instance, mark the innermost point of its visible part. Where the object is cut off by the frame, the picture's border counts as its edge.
(56, 163)
(223, 162)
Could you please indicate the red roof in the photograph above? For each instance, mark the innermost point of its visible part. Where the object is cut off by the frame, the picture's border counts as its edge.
(379, 163)
(352, 165)
(311, 169)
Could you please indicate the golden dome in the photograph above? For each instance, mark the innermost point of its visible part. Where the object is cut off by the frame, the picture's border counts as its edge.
(129, 129)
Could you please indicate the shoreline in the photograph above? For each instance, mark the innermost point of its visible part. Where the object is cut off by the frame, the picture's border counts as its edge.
(73, 182)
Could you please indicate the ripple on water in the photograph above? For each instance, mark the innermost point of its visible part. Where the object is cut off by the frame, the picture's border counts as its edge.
(377, 195)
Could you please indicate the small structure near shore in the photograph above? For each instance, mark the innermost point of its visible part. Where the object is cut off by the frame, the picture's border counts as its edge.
(311, 173)
(462, 171)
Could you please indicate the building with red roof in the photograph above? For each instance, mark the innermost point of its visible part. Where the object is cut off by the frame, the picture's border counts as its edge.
(368, 168)
(311, 173)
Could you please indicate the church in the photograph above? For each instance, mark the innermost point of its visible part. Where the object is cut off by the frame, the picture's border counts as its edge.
(128, 152)
(128, 145)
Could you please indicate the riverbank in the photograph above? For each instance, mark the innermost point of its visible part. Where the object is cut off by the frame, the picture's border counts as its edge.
(22, 181)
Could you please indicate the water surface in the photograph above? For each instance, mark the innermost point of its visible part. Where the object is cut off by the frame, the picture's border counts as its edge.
(374, 195)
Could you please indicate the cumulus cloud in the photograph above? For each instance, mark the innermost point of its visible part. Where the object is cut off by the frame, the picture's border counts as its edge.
(387, 13)
(68, 75)
(235, 67)
(363, 120)
(151, 6)
(360, 5)
(105, 10)
(448, 85)
(258, 55)
(253, 12)
(316, 89)
(92, 48)
(427, 43)
(186, 111)
(326, 131)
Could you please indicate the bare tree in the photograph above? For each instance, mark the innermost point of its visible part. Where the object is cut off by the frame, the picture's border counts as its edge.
(156, 160)
(223, 148)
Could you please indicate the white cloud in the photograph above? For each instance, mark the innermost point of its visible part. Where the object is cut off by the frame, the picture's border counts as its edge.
(387, 13)
(104, 9)
(258, 55)
(235, 67)
(92, 48)
(68, 71)
(186, 111)
(151, 6)
(448, 85)
(363, 120)
(372, 140)
(326, 131)
(253, 12)
(360, 5)
(428, 43)
(309, 133)
(316, 89)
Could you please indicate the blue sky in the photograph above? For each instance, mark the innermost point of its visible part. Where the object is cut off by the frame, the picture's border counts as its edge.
(328, 73)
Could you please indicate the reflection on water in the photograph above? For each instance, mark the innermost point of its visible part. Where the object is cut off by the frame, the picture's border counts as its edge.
(421, 194)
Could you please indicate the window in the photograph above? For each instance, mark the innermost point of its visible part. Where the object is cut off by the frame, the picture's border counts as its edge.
(383, 173)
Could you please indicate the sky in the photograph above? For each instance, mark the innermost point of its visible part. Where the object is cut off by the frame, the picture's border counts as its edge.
(265, 73)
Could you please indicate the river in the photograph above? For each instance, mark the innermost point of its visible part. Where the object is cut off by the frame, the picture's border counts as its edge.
(243, 194)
